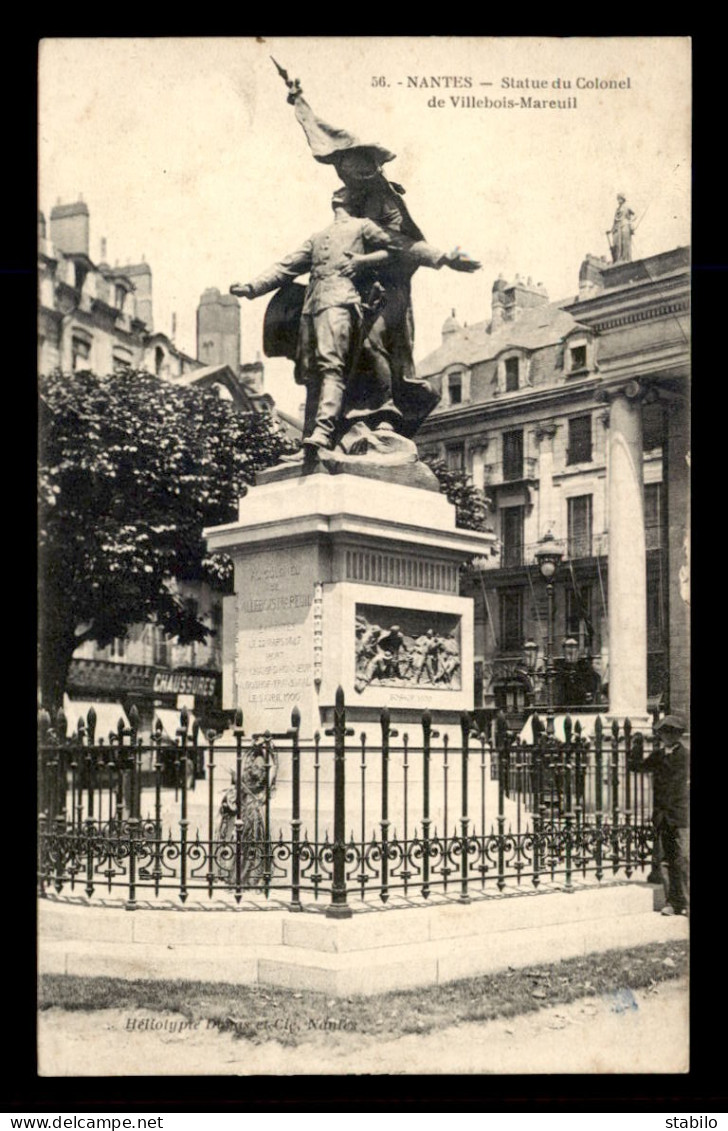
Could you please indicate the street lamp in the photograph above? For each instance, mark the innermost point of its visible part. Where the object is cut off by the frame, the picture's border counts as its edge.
(531, 650)
(571, 655)
(548, 559)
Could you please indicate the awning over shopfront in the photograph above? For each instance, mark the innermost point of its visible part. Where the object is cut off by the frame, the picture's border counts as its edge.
(107, 716)
(169, 717)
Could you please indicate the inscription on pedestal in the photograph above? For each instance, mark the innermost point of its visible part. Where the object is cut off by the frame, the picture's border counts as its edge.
(278, 667)
(275, 647)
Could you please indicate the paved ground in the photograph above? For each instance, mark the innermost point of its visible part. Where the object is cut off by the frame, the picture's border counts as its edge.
(641, 1032)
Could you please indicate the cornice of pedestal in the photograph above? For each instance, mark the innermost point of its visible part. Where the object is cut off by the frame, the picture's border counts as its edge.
(346, 528)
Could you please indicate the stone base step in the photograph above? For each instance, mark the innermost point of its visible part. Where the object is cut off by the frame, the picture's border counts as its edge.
(368, 954)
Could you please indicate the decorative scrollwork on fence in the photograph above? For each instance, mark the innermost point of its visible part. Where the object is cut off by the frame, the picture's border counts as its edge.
(525, 816)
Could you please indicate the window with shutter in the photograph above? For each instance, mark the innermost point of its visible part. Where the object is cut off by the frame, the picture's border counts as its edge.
(580, 440)
(455, 457)
(511, 620)
(579, 519)
(513, 455)
(653, 516)
(512, 535)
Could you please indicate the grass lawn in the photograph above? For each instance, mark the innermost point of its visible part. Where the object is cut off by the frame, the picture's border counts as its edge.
(260, 1013)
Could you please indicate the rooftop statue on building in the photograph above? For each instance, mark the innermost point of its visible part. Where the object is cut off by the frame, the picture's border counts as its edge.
(351, 331)
(622, 231)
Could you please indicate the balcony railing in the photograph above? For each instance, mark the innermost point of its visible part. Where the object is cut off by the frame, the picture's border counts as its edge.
(512, 555)
(579, 546)
(519, 555)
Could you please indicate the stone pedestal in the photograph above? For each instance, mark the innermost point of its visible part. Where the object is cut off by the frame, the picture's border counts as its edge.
(325, 562)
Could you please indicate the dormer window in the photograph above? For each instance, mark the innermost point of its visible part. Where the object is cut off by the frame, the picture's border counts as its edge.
(512, 371)
(512, 368)
(456, 386)
(578, 358)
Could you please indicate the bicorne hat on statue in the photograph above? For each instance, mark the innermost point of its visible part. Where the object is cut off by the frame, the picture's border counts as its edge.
(328, 143)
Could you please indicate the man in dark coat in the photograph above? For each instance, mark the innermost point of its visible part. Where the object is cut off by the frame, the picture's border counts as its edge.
(669, 764)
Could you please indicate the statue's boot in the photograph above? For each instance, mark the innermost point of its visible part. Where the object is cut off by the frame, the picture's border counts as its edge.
(328, 413)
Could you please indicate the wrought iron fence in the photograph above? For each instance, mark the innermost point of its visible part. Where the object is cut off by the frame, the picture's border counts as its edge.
(337, 819)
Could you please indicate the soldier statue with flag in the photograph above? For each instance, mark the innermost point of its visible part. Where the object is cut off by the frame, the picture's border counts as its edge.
(377, 389)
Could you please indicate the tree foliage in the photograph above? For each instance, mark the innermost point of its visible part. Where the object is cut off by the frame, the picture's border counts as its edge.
(471, 505)
(132, 468)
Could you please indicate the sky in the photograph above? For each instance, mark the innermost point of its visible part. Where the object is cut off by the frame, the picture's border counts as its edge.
(187, 153)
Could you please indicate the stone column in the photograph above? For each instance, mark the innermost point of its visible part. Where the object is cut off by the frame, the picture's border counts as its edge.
(676, 463)
(627, 566)
(547, 512)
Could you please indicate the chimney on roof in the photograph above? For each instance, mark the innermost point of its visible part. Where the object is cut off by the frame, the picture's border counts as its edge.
(41, 228)
(218, 329)
(511, 299)
(70, 228)
(174, 324)
(141, 276)
(591, 280)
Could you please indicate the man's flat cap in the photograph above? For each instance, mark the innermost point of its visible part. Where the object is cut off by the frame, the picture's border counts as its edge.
(671, 722)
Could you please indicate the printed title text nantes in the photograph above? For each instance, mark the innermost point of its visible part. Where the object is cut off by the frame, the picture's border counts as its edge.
(477, 101)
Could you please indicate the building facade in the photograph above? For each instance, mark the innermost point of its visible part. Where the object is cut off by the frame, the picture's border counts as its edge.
(573, 418)
(97, 317)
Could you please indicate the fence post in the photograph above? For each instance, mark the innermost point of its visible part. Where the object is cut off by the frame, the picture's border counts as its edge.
(637, 755)
(76, 798)
(44, 725)
(579, 791)
(135, 744)
(295, 904)
(503, 771)
(598, 795)
(427, 736)
(615, 795)
(627, 728)
(90, 771)
(465, 731)
(133, 821)
(60, 796)
(238, 731)
(539, 853)
(384, 823)
(568, 800)
(338, 908)
(210, 875)
(198, 770)
(267, 842)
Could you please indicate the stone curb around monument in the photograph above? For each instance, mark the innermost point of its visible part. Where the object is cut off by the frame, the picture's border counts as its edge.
(365, 955)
